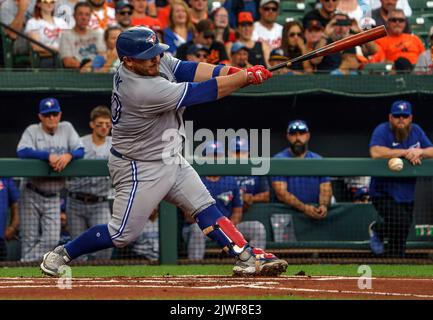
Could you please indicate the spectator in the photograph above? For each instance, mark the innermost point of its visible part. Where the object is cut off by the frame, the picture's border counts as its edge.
(266, 29)
(87, 201)
(197, 53)
(310, 195)
(181, 29)
(227, 194)
(361, 195)
(223, 32)
(16, 14)
(398, 44)
(380, 15)
(45, 28)
(276, 57)
(140, 16)
(402, 66)
(205, 36)
(239, 56)
(102, 15)
(293, 46)
(350, 63)
(163, 13)
(123, 14)
(58, 143)
(258, 51)
(352, 9)
(393, 198)
(147, 245)
(340, 27)
(253, 188)
(324, 14)
(108, 61)
(401, 4)
(313, 34)
(424, 64)
(235, 7)
(198, 10)
(9, 195)
(80, 45)
(64, 9)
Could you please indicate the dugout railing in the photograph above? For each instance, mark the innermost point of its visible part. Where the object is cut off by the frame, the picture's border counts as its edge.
(342, 236)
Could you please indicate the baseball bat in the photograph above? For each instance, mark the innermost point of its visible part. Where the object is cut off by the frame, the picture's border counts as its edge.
(337, 46)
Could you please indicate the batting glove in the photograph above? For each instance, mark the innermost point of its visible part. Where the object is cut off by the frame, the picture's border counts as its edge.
(258, 74)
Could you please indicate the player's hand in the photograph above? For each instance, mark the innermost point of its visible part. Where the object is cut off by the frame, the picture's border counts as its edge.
(10, 233)
(323, 210)
(52, 160)
(414, 155)
(312, 212)
(62, 162)
(258, 74)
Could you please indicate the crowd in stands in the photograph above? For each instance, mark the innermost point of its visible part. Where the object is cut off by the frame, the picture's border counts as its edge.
(83, 32)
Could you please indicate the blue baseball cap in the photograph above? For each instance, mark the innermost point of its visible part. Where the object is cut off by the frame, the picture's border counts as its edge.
(401, 107)
(239, 144)
(238, 46)
(214, 148)
(297, 126)
(49, 105)
(361, 192)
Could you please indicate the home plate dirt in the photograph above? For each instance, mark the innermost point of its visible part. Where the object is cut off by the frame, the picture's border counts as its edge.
(196, 287)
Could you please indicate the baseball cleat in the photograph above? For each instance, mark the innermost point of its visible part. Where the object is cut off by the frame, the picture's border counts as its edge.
(376, 245)
(258, 263)
(53, 262)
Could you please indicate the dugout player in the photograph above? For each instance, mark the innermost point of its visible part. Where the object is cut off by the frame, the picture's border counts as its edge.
(228, 196)
(58, 143)
(393, 198)
(87, 202)
(150, 93)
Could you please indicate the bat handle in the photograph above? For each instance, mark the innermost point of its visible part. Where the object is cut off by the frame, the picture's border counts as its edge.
(280, 65)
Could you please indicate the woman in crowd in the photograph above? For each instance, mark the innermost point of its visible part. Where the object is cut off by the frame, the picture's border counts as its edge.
(180, 28)
(45, 28)
(223, 32)
(293, 45)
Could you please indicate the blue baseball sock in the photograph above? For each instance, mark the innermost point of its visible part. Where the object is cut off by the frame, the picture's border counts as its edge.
(95, 239)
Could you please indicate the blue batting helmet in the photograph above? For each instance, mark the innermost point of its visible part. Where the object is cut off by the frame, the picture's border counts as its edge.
(139, 43)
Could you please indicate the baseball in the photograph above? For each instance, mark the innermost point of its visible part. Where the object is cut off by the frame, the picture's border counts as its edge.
(395, 164)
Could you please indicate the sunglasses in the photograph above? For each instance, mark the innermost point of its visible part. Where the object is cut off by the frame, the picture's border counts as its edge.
(395, 20)
(330, 0)
(298, 127)
(50, 114)
(201, 55)
(398, 116)
(124, 13)
(292, 34)
(273, 9)
(245, 24)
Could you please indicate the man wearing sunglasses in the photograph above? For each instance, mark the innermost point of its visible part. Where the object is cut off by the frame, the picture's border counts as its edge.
(324, 14)
(58, 143)
(393, 198)
(310, 195)
(123, 14)
(197, 53)
(398, 44)
(87, 199)
(380, 15)
(267, 29)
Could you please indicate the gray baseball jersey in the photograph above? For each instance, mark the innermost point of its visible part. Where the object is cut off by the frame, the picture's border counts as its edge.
(144, 112)
(99, 186)
(64, 140)
(147, 131)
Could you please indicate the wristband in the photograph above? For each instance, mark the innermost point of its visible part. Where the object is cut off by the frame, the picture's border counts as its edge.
(233, 70)
(216, 70)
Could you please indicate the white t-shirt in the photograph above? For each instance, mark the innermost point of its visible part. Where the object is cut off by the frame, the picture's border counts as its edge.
(401, 4)
(49, 33)
(98, 17)
(272, 37)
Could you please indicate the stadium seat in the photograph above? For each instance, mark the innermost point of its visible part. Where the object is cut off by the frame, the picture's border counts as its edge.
(6, 44)
(377, 68)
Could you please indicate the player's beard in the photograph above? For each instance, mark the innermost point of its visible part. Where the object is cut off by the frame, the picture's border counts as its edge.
(401, 134)
(298, 148)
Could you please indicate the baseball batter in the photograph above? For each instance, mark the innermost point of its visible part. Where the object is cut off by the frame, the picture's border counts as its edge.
(59, 143)
(150, 92)
(87, 202)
